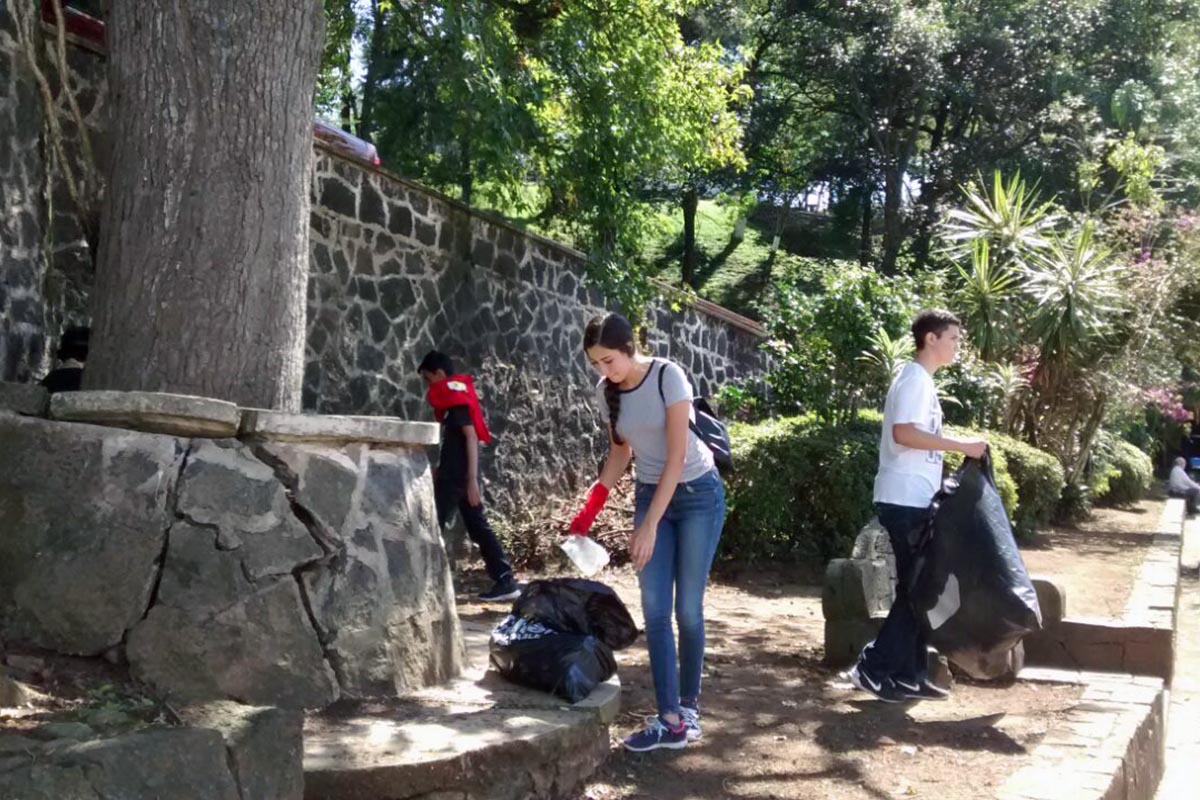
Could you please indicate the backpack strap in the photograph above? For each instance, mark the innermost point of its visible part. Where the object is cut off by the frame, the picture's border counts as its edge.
(662, 368)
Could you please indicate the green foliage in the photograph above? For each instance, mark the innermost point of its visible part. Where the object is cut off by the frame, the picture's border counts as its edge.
(1121, 473)
(1039, 479)
(818, 339)
(595, 103)
(802, 490)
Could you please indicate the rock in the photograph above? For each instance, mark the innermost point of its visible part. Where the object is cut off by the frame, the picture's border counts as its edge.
(15, 693)
(276, 426)
(153, 412)
(845, 639)
(225, 486)
(29, 399)
(65, 730)
(154, 764)
(385, 605)
(260, 650)
(30, 665)
(856, 589)
(1052, 599)
(265, 746)
(11, 743)
(83, 515)
(997, 666)
(938, 669)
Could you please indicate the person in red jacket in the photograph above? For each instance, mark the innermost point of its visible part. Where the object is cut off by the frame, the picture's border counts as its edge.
(456, 480)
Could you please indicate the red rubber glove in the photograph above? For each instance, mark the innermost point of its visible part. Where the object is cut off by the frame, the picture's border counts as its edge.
(587, 515)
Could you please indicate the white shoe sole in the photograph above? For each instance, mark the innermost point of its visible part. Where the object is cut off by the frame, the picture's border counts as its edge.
(657, 746)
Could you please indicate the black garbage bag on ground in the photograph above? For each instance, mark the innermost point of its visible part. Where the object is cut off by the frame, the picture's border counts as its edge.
(969, 586)
(560, 637)
(575, 605)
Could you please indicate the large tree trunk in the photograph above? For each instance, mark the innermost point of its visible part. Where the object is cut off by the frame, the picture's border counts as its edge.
(204, 240)
(691, 201)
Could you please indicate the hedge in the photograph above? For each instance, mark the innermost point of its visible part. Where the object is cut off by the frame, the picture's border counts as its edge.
(1040, 480)
(1121, 473)
(802, 490)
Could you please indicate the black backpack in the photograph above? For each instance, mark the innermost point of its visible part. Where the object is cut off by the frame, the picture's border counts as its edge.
(708, 429)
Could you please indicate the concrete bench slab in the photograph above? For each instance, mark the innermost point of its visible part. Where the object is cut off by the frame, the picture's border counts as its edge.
(276, 426)
(478, 736)
(152, 412)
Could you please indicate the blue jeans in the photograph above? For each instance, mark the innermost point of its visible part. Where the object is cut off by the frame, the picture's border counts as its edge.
(676, 575)
(899, 651)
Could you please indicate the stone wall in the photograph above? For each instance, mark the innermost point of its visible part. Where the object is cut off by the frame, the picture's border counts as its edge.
(396, 270)
(45, 266)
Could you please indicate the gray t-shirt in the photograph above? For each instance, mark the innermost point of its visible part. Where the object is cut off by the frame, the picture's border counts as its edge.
(642, 422)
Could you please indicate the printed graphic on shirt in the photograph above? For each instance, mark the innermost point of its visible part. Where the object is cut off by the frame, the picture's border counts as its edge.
(935, 427)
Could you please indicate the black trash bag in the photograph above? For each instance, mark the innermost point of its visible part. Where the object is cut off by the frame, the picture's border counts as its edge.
(969, 587)
(574, 605)
(530, 653)
(561, 635)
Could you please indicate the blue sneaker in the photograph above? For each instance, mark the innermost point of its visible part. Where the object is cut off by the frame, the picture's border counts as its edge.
(690, 716)
(883, 689)
(657, 734)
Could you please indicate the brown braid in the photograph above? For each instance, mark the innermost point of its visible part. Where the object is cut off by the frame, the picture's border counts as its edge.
(612, 396)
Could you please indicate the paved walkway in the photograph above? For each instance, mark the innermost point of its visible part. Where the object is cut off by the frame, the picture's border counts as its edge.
(1183, 720)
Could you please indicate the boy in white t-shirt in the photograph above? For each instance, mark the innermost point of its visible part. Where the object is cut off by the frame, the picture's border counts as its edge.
(910, 472)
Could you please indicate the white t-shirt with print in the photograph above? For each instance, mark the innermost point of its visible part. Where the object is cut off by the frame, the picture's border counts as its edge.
(907, 476)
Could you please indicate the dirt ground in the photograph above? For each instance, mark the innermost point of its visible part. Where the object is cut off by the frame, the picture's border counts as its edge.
(779, 724)
(1097, 562)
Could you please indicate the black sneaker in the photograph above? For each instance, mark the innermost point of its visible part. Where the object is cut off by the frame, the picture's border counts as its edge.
(924, 691)
(501, 591)
(884, 690)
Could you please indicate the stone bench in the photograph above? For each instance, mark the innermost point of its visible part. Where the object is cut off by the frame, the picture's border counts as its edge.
(275, 559)
(859, 591)
(1142, 640)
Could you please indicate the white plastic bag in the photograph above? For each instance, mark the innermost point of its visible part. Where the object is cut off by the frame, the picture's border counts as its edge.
(587, 556)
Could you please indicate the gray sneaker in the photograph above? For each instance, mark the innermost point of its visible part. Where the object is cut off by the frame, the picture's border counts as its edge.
(691, 721)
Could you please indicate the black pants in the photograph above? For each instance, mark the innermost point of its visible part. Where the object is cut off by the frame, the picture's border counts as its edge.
(450, 496)
(898, 652)
(1193, 499)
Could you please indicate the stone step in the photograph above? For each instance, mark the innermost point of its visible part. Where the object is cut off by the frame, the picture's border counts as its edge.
(478, 736)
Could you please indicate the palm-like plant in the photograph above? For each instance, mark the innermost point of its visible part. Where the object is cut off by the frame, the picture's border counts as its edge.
(1074, 285)
(1012, 219)
(888, 355)
(985, 299)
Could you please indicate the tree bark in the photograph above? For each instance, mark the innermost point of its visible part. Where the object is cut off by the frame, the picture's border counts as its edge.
(203, 262)
(893, 220)
(864, 234)
(375, 58)
(691, 201)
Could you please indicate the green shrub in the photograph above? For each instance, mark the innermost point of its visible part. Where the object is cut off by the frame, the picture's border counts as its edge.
(801, 490)
(1040, 480)
(1005, 485)
(1121, 473)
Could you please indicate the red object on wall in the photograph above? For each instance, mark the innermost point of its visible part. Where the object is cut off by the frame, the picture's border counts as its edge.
(83, 26)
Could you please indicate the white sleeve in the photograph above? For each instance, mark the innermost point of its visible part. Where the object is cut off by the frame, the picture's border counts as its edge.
(913, 402)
